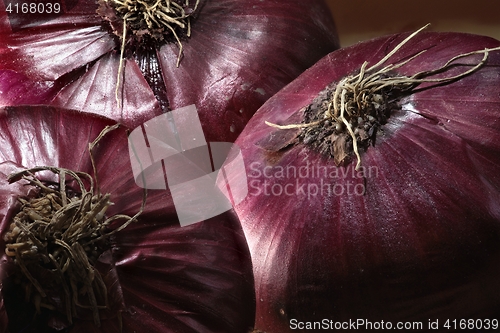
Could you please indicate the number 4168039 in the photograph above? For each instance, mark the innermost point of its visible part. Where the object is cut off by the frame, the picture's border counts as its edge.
(33, 8)
(471, 324)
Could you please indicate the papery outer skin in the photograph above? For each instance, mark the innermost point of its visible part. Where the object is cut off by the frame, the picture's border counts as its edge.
(173, 279)
(240, 53)
(423, 242)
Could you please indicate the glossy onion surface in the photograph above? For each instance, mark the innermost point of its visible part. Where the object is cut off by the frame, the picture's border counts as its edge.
(414, 234)
(240, 53)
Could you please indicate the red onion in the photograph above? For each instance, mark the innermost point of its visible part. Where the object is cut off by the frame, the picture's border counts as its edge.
(239, 54)
(413, 234)
(160, 277)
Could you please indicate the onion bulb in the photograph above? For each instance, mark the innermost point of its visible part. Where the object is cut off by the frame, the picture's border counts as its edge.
(114, 58)
(399, 224)
(150, 276)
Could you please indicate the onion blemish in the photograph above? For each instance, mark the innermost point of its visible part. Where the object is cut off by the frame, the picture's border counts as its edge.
(57, 237)
(347, 116)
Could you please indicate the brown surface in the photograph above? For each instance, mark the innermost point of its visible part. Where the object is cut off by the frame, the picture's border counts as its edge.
(359, 20)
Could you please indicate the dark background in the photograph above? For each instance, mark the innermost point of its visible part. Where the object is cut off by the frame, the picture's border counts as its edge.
(359, 20)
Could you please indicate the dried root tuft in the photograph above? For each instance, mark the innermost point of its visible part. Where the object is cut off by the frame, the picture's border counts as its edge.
(361, 103)
(60, 232)
(155, 18)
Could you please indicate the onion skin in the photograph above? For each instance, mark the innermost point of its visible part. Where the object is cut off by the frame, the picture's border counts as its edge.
(423, 242)
(239, 54)
(172, 279)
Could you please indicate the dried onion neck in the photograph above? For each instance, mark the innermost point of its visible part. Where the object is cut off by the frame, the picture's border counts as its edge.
(62, 232)
(159, 20)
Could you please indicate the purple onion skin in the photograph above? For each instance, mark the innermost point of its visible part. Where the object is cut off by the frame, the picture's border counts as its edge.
(166, 278)
(240, 53)
(423, 242)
